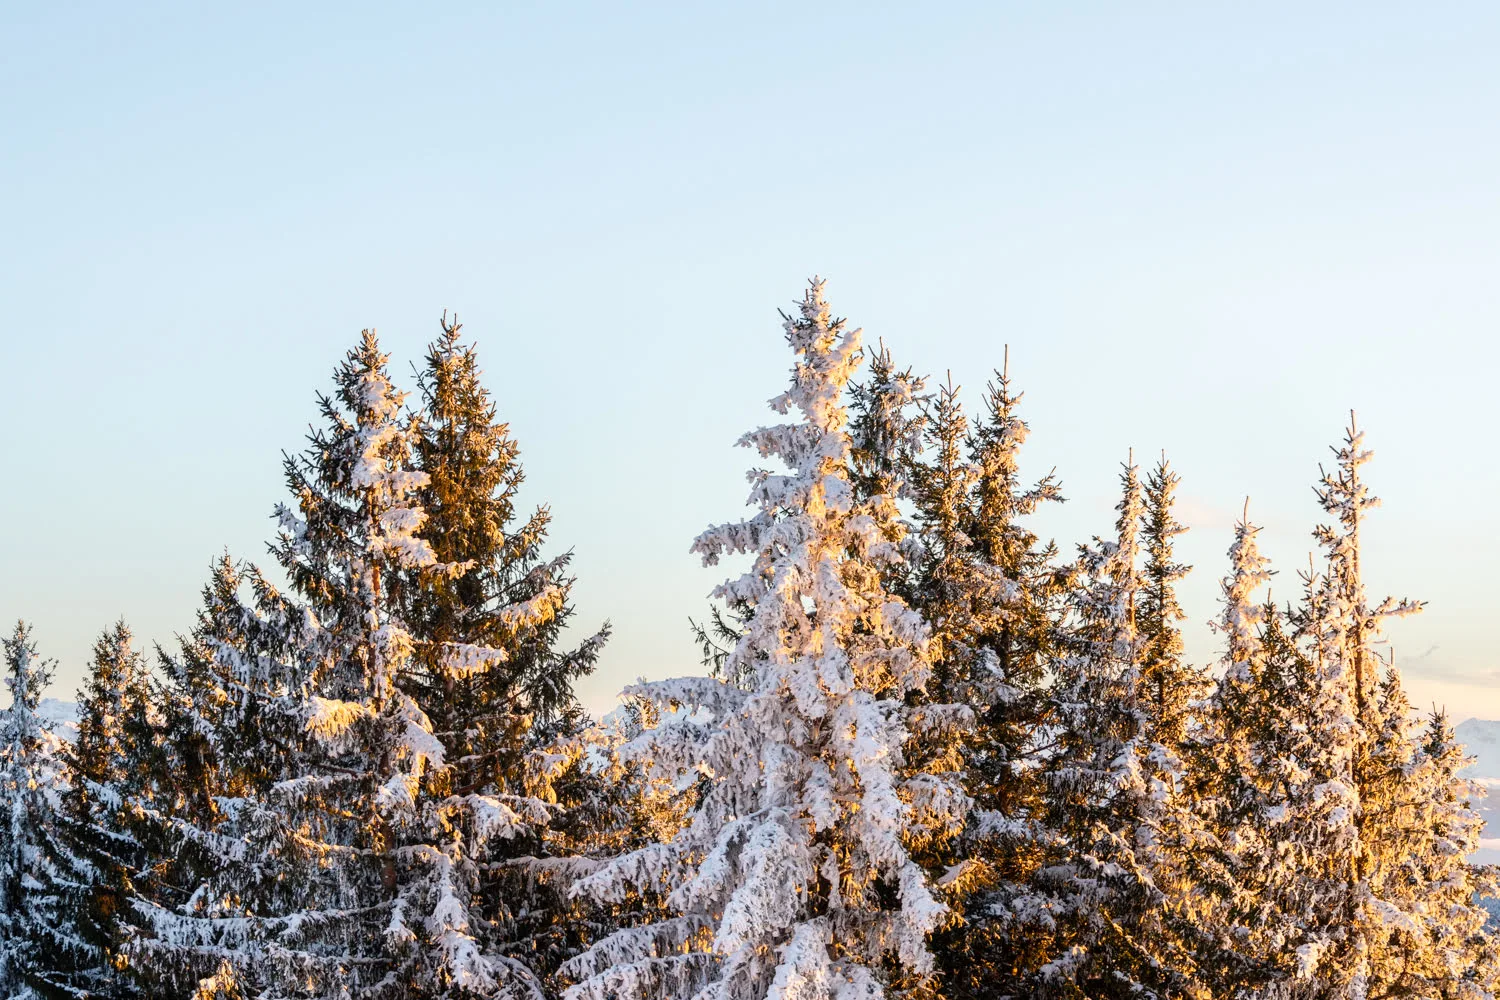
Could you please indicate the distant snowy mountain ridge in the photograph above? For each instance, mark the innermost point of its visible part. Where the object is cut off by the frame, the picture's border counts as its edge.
(61, 716)
(1481, 737)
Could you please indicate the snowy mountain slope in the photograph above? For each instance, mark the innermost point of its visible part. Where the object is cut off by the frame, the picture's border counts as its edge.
(61, 715)
(1482, 739)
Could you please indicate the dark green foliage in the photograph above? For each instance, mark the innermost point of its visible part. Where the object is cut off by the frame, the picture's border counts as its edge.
(992, 593)
(1171, 685)
(506, 598)
(510, 604)
(100, 857)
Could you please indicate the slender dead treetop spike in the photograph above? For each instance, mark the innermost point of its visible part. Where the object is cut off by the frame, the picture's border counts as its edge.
(1245, 515)
(1005, 364)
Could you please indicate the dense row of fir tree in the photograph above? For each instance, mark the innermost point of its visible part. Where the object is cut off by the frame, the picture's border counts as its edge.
(932, 757)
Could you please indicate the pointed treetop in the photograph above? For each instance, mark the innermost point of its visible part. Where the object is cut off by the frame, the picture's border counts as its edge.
(827, 353)
(1130, 506)
(1341, 491)
(883, 430)
(26, 676)
(1242, 615)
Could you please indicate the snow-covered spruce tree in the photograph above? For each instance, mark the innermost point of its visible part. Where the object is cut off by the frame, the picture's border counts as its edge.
(987, 582)
(1424, 888)
(991, 591)
(885, 428)
(1352, 826)
(620, 799)
(1173, 687)
(28, 785)
(1410, 806)
(1291, 840)
(1091, 922)
(979, 579)
(208, 714)
(317, 755)
(350, 856)
(233, 857)
(1447, 952)
(946, 584)
(507, 598)
(222, 851)
(489, 667)
(1015, 603)
(1277, 768)
(97, 854)
(1185, 857)
(886, 431)
(1243, 765)
(792, 878)
(1000, 503)
(1343, 949)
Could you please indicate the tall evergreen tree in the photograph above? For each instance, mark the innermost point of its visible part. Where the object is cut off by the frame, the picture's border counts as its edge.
(792, 878)
(490, 669)
(1339, 624)
(1244, 765)
(991, 591)
(1186, 859)
(98, 854)
(1092, 921)
(351, 857)
(1444, 951)
(1098, 887)
(946, 573)
(1172, 686)
(885, 427)
(505, 598)
(949, 586)
(1332, 829)
(234, 737)
(1015, 607)
(29, 914)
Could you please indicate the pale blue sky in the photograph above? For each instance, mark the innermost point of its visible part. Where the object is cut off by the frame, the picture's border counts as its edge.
(1208, 228)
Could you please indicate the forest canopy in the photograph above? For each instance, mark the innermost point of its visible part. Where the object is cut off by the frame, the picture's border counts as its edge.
(928, 754)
